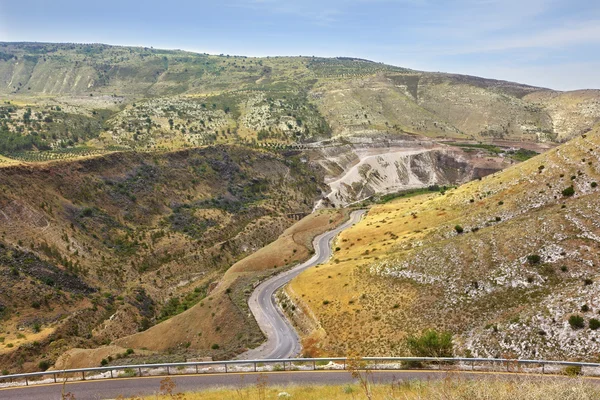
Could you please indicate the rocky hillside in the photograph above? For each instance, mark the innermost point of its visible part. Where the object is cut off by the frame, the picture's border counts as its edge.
(508, 263)
(74, 99)
(97, 249)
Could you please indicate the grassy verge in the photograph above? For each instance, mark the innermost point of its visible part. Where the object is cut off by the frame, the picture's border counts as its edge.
(450, 388)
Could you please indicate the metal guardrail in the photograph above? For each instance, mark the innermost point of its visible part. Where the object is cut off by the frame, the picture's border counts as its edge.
(367, 363)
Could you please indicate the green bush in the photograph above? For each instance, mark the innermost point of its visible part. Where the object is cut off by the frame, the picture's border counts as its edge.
(44, 365)
(594, 324)
(215, 347)
(533, 259)
(431, 344)
(104, 362)
(129, 351)
(573, 370)
(568, 192)
(576, 322)
(459, 229)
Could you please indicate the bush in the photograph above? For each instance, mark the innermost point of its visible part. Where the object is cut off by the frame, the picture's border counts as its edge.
(431, 344)
(594, 324)
(585, 308)
(215, 347)
(533, 259)
(593, 184)
(576, 322)
(568, 192)
(573, 370)
(325, 302)
(459, 229)
(44, 365)
(104, 362)
(129, 351)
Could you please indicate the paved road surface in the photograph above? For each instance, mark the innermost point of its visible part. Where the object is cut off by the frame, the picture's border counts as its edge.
(148, 386)
(282, 339)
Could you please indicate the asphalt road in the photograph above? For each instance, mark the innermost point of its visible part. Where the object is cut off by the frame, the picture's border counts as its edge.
(148, 386)
(282, 339)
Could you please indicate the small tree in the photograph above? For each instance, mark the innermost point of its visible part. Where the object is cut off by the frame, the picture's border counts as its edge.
(594, 324)
(459, 229)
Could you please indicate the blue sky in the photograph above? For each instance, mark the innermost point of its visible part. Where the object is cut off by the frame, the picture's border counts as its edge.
(551, 43)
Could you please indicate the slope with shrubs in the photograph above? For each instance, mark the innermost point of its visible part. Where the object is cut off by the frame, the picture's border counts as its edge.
(147, 235)
(507, 263)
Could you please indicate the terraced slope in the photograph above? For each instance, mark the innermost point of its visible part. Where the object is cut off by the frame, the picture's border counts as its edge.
(502, 262)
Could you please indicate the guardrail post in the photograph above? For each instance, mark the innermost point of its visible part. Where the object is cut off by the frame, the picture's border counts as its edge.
(83, 375)
(284, 365)
(196, 368)
(54, 378)
(543, 368)
(314, 365)
(472, 365)
(168, 372)
(344, 363)
(255, 367)
(225, 368)
(111, 374)
(140, 370)
(26, 382)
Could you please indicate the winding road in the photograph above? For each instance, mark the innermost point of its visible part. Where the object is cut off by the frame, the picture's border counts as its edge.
(282, 339)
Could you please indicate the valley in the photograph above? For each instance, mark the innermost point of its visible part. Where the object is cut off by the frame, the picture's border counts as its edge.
(145, 194)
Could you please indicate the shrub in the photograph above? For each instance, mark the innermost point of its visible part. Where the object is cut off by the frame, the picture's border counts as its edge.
(585, 308)
(325, 302)
(104, 362)
(573, 370)
(459, 229)
(594, 324)
(431, 344)
(129, 351)
(44, 365)
(593, 184)
(215, 347)
(568, 192)
(533, 259)
(576, 322)
(587, 281)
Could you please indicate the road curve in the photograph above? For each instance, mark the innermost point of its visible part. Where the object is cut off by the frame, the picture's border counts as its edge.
(282, 339)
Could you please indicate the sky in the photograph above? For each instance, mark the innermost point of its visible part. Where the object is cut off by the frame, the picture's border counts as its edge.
(548, 43)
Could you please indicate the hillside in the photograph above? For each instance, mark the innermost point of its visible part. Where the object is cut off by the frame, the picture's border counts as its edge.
(72, 99)
(101, 248)
(503, 262)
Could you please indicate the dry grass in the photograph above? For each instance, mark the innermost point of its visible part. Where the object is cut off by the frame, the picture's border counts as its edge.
(451, 388)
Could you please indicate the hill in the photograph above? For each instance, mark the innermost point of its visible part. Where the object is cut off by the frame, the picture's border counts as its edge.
(97, 249)
(503, 262)
(86, 98)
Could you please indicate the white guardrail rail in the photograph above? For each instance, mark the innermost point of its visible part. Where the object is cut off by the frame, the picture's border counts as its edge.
(299, 364)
